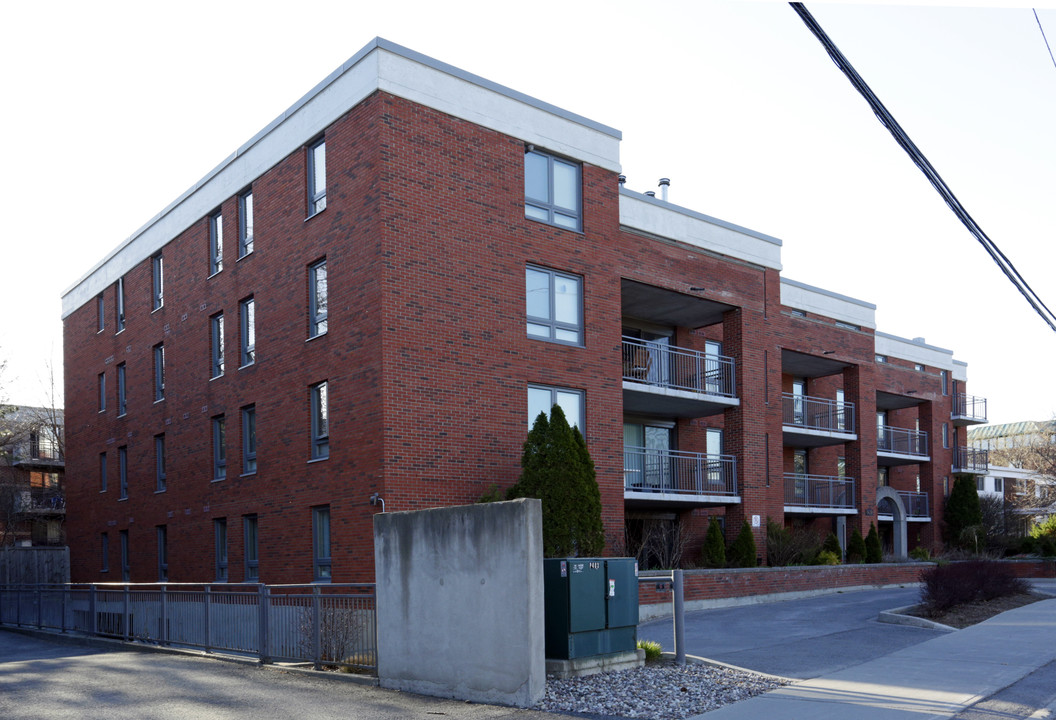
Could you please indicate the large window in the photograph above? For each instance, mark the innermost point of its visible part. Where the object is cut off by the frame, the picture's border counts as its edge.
(102, 472)
(159, 372)
(100, 313)
(320, 402)
(551, 190)
(119, 304)
(247, 313)
(245, 223)
(159, 463)
(251, 553)
(542, 398)
(219, 449)
(944, 376)
(126, 564)
(216, 243)
(216, 344)
(122, 396)
(122, 471)
(316, 177)
(163, 553)
(554, 303)
(249, 440)
(318, 298)
(220, 536)
(157, 281)
(102, 392)
(321, 564)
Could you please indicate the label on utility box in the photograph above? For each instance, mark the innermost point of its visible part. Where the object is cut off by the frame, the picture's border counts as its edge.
(564, 568)
(612, 588)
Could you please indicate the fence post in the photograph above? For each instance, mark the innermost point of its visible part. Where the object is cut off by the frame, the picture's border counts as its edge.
(93, 620)
(680, 617)
(208, 626)
(317, 644)
(40, 607)
(262, 633)
(163, 633)
(65, 598)
(126, 614)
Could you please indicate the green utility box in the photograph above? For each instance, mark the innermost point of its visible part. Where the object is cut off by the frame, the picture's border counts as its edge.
(591, 606)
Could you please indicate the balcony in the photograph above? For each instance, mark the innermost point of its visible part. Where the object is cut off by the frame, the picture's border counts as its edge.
(666, 478)
(897, 446)
(819, 494)
(40, 501)
(915, 504)
(814, 422)
(968, 410)
(671, 381)
(970, 461)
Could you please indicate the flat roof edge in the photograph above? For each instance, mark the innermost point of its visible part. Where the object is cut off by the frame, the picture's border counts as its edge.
(701, 216)
(830, 293)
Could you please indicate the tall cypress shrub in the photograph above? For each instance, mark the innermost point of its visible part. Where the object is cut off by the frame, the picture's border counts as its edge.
(856, 551)
(742, 552)
(962, 511)
(874, 552)
(713, 555)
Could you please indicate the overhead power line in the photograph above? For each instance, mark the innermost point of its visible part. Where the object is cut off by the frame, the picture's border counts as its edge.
(1044, 38)
(888, 121)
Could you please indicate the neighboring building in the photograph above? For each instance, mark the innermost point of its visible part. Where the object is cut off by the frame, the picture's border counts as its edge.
(1015, 444)
(1023, 456)
(376, 295)
(32, 470)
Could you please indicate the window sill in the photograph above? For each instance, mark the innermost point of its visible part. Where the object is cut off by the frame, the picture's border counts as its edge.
(248, 474)
(158, 492)
(119, 331)
(216, 377)
(210, 277)
(159, 307)
(316, 214)
(318, 459)
(121, 415)
(578, 231)
(316, 336)
(247, 365)
(243, 256)
(217, 480)
(159, 400)
(122, 499)
(555, 341)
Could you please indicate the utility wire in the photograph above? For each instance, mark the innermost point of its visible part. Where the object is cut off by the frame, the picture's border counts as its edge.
(888, 121)
(1044, 38)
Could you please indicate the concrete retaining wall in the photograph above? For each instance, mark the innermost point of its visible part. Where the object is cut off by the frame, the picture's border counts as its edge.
(460, 602)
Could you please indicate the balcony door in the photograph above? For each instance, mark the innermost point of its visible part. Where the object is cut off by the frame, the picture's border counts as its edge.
(647, 456)
(799, 390)
(654, 365)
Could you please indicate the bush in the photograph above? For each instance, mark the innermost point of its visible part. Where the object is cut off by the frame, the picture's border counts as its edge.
(874, 553)
(949, 585)
(742, 552)
(653, 649)
(784, 546)
(856, 548)
(827, 557)
(713, 554)
(920, 553)
(557, 469)
(832, 545)
(492, 494)
(1044, 529)
(963, 515)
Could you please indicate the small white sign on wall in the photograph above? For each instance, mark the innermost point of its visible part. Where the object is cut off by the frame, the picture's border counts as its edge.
(755, 521)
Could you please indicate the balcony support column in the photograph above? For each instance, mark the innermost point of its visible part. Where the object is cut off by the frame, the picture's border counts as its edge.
(930, 477)
(859, 388)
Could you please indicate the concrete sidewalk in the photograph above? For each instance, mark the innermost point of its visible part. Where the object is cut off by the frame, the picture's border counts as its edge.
(1010, 659)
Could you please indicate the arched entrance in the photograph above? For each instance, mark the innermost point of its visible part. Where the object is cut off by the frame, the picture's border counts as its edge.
(889, 503)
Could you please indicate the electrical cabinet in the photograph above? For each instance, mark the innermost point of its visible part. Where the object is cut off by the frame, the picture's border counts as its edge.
(591, 606)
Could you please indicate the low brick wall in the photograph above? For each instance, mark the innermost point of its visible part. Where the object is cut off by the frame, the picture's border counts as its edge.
(718, 588)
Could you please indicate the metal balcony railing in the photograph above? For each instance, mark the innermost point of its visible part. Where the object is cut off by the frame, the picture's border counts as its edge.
(819, 491)
(674, 471)
(816, 413)
(969, 407)
(974, 460)
(40, 500)
(916, 504)
(674, 367)
(901, 441)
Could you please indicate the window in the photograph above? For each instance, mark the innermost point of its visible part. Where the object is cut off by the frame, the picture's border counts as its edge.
(554, 305)
(220, 533)
(317, 177)
(122, 471)
(252, 557)
(999, 484)
(797, 313)
(219, 449)
(120, 304)
(946, 485)
(881, 477)
(122, 398)
(216, 335)
(159, 372)
(100, 313)
(102, 472)
(163, 553)
(102, 392)
(159, 463)
(542, 398)
(946, 435)
(918, 367)
(157, 281)
(944, 376)
(551, 190)
(841, 411)
(216, 243)
(841, 467)
(245, 223)
(247, 320)
(249, 440)
(104, 551)
(980, 484)
(320, 421)
(321, 544)
(846, 325)
(881, 358)
(318, 298)
(126, 565)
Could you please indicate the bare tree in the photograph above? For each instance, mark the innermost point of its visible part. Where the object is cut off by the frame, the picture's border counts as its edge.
(1034, 495)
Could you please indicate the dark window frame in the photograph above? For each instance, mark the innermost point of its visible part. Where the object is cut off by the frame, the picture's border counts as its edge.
(322, 561)
(219, 433)
(548, 205)
(247, 321)
(159, 372)
(216, 242)
(162, 533)
(157, 281)
(119, 304)
(249, 440)
(220, 549)
(320, 419)
(245, 223)
(251, 547)
(122, 389)
(318, 289)
(552, 324)
(216, 346)
(122, 472)
(160, 478)
(316, 195)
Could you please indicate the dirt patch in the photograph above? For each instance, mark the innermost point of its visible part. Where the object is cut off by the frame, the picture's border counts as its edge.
(968, 614)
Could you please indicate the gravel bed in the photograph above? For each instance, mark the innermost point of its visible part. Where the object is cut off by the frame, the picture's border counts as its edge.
(658, 691)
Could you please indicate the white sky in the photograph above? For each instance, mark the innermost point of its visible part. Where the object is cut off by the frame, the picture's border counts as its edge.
(110, 110)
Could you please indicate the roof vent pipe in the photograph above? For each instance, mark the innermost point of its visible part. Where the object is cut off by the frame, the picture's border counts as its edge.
(651, 193)
(623, 180)
(664, 184)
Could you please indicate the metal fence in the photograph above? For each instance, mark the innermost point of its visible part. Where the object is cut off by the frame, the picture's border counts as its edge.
(819, 491)
(970, 407)
(972, 460)
(667, 366)
(916, 503)
(327, 625)
(901, 441)
(816, 413)
(675, 471)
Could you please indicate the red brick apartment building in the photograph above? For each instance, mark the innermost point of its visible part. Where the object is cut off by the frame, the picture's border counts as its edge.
(482, 261)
